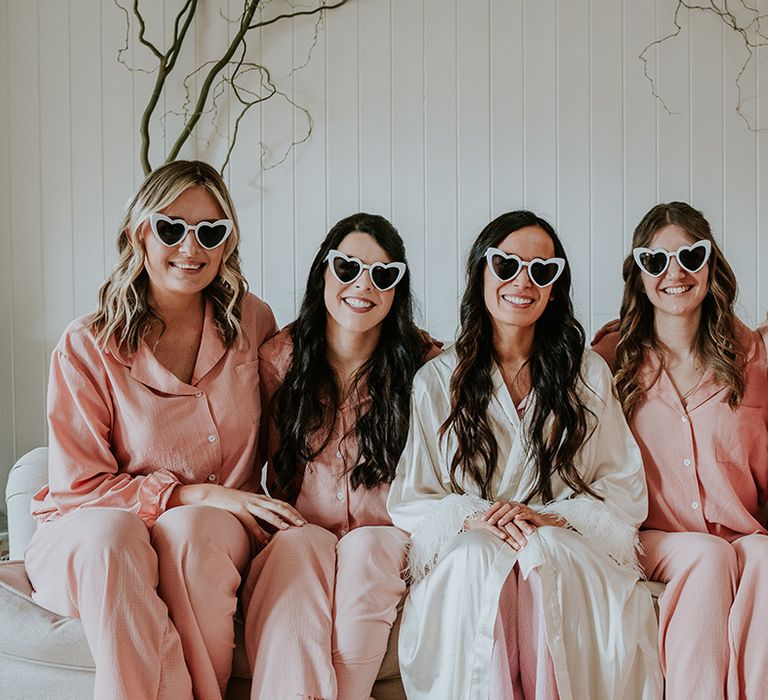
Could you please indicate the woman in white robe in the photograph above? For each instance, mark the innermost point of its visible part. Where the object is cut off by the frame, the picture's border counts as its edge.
(475, 517)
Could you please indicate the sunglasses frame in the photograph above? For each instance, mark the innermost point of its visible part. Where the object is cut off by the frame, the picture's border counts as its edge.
(154, 217)
(707, 245)
(491, 252)
(399, 266)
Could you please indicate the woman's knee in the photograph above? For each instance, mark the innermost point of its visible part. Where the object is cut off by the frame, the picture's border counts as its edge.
(201, 528)
(297, 543)
(475, 546)
(372, 556)
(752, 553)
(111, 539)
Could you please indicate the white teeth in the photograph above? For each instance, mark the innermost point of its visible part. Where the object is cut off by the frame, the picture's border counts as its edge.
(187, 266)
(358, 303)
(676, 290)
(520, 301)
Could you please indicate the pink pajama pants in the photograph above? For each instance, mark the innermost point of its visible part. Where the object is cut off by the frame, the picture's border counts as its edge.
(319, 611)
(157, 606)
(712, 614)
(521, 667)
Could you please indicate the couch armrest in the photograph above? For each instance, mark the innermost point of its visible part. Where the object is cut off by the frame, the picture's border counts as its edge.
(26, 478)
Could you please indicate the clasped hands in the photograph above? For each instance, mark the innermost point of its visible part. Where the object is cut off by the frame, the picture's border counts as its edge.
(513, 522)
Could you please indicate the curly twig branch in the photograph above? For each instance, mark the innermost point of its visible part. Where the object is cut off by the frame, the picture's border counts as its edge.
(730, 19)
(214, 83)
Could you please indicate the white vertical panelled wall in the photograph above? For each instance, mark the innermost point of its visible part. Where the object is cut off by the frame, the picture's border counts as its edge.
(439, 114)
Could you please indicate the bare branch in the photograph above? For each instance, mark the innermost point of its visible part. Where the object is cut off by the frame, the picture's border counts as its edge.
(143, 29)
(250, 9)
(731, 20)
(299, 13)
(126, 44)
(218, 80)
(167, 62)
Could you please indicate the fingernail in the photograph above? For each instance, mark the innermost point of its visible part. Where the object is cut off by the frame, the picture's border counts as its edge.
(299, 522)
(284, 525)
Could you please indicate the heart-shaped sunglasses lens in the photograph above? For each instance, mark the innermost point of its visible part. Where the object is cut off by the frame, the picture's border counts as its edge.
(170, 232)
(653, 263)
(346, 271)
(505, 268)
(211, 235)
(543, 273)
(693, 259)
(385, 277)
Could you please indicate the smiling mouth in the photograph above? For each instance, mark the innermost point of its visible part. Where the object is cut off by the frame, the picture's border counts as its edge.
(517, 301)
(358, 305)
(187, 266)
(675, 291)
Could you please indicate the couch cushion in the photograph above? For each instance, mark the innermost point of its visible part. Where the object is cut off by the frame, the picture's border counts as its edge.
(25, 479)
(31, 633)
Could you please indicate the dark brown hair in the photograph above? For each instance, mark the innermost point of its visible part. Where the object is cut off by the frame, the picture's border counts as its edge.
(559, 424)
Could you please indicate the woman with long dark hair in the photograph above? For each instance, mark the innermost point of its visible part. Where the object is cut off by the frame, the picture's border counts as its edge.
(336, 384)
(693, 381)
(522, 489)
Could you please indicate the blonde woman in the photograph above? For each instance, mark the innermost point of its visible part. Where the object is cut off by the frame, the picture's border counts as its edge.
(151, 509)
(693, 381)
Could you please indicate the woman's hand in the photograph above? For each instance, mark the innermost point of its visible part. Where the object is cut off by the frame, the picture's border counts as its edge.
(517, 521)
(245, 506)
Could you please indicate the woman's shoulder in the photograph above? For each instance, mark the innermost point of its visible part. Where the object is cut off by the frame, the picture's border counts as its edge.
(437, 370)
(277, 352)
(257, 318)
(79, 338)
(597, 376)
(606, 348)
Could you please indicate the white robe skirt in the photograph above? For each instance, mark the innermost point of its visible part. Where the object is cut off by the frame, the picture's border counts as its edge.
(600, 624)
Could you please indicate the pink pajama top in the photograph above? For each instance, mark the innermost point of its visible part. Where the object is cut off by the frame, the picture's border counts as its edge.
(124, 430)
(706, 464)
(325, 494)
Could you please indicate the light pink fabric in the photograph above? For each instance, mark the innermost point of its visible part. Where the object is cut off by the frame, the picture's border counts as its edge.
(712, 612)
(345, 567)
(707, 473)
(706, 465)
(202, 553)
(98, 565)
(123, 432)
(320, 610)
(521, 666)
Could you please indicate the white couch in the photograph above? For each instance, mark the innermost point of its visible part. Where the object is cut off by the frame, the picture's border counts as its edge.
(44, 655)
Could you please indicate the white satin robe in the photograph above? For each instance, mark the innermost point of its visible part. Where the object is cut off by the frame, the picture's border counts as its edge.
(600, 624)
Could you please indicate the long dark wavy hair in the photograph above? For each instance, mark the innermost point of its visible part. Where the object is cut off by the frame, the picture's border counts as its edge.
(308, 399)
(559, 423)
(715, 343)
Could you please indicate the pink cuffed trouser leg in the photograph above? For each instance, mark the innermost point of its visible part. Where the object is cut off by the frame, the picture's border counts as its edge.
(748, 617)
(324, 607)
(521, 666)
(202, 552)
(99, 565)
(701, 574)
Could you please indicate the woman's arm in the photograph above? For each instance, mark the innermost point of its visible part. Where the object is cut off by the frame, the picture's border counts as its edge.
(83, 472)
(420, 500)
(614, 460)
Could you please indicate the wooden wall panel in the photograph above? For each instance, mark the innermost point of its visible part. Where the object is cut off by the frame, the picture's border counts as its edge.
(439, 114)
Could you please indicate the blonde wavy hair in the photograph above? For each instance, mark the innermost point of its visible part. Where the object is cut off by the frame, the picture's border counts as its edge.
(124, 310)
(715, 343)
